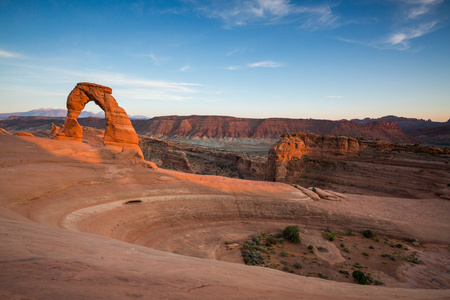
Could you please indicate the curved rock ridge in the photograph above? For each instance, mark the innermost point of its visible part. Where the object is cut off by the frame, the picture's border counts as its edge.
(119, 131)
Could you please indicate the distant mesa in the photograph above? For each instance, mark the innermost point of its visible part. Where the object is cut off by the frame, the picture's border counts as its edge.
(119, 132)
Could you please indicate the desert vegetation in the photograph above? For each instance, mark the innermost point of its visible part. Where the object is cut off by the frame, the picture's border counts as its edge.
(367, 255)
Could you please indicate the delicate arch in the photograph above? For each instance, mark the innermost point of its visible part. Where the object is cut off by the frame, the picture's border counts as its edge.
(118, 132)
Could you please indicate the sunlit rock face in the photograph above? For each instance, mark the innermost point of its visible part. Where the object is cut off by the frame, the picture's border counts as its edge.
(119, 132)
(286, 157)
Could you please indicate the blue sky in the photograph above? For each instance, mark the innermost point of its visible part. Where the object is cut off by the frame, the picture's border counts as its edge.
(246, 58)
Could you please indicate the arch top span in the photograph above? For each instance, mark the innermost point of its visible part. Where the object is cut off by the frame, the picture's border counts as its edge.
(118, 132)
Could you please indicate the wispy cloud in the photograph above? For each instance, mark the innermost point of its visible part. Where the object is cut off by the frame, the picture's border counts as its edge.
(249, 12)
(124, 86)
(418, 8)
(414, 21)
(8, 54)
(155, 59)
(401, 39)
(335, 97)
(233, 68)
(259, 64)
(265, 64)
(185, 68)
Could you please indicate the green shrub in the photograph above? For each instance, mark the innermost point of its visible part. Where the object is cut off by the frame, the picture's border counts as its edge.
(297, 265)
(365, 254)
(270, 241)
(329, 236)
(349, 232)
(322, 276)
(291, 234)
(360, 277)
(286, 268)
(368, 233)
(344, 272)
(284, 254)
(378, 282)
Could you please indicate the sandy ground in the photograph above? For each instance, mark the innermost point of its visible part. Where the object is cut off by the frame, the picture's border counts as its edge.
(76, 223)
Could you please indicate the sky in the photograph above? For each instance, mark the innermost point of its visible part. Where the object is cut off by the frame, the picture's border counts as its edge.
(245, 58)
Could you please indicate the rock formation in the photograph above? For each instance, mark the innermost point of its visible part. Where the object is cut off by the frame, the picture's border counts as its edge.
(286, 156)
(4, 132)
(345, 164)
(119, 133)
(222, 127)
(177, 160)
(22, 133)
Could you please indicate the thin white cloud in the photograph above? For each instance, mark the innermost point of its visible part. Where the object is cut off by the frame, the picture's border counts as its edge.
(8, 54)
(335, 97)
(415, 21)
(259, 64)
(155, 59)
(265, 64)
(185, 68)
(124, 86)
(245, 12)
(401, 39)
(233, 68)
(418, 8)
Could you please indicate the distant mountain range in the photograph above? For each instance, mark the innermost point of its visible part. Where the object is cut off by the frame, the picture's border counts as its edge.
(198, 128)
(426, 131)
(57, 113)
(405, 123)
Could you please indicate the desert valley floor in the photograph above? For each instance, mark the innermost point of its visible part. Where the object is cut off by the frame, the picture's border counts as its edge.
(77, 224)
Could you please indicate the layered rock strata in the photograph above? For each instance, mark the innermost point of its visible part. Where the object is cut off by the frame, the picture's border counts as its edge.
(359, 166)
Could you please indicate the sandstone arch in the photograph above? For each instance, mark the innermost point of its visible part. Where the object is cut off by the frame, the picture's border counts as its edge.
(119, 131)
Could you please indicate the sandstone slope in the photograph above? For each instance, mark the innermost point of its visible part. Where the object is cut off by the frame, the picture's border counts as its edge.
(75, 222)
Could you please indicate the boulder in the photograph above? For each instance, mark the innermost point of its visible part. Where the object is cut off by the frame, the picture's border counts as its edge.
(21, 133)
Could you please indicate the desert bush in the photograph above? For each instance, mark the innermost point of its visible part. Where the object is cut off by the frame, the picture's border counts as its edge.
(329, 236)
(270, 241)
(345, 272)
(297, 265)
(291, 234)
(378, 282)
(368, 233)
(360, 277)
(284, 254)
(349, 232)
(322, 276)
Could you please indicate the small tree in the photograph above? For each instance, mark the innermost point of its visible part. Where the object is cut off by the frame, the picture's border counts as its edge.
(291, 234)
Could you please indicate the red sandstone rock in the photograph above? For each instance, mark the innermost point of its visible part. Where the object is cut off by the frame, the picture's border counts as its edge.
(177, 160)
(4, 132)
(119, 131)
(21, 133)
(358, 166)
